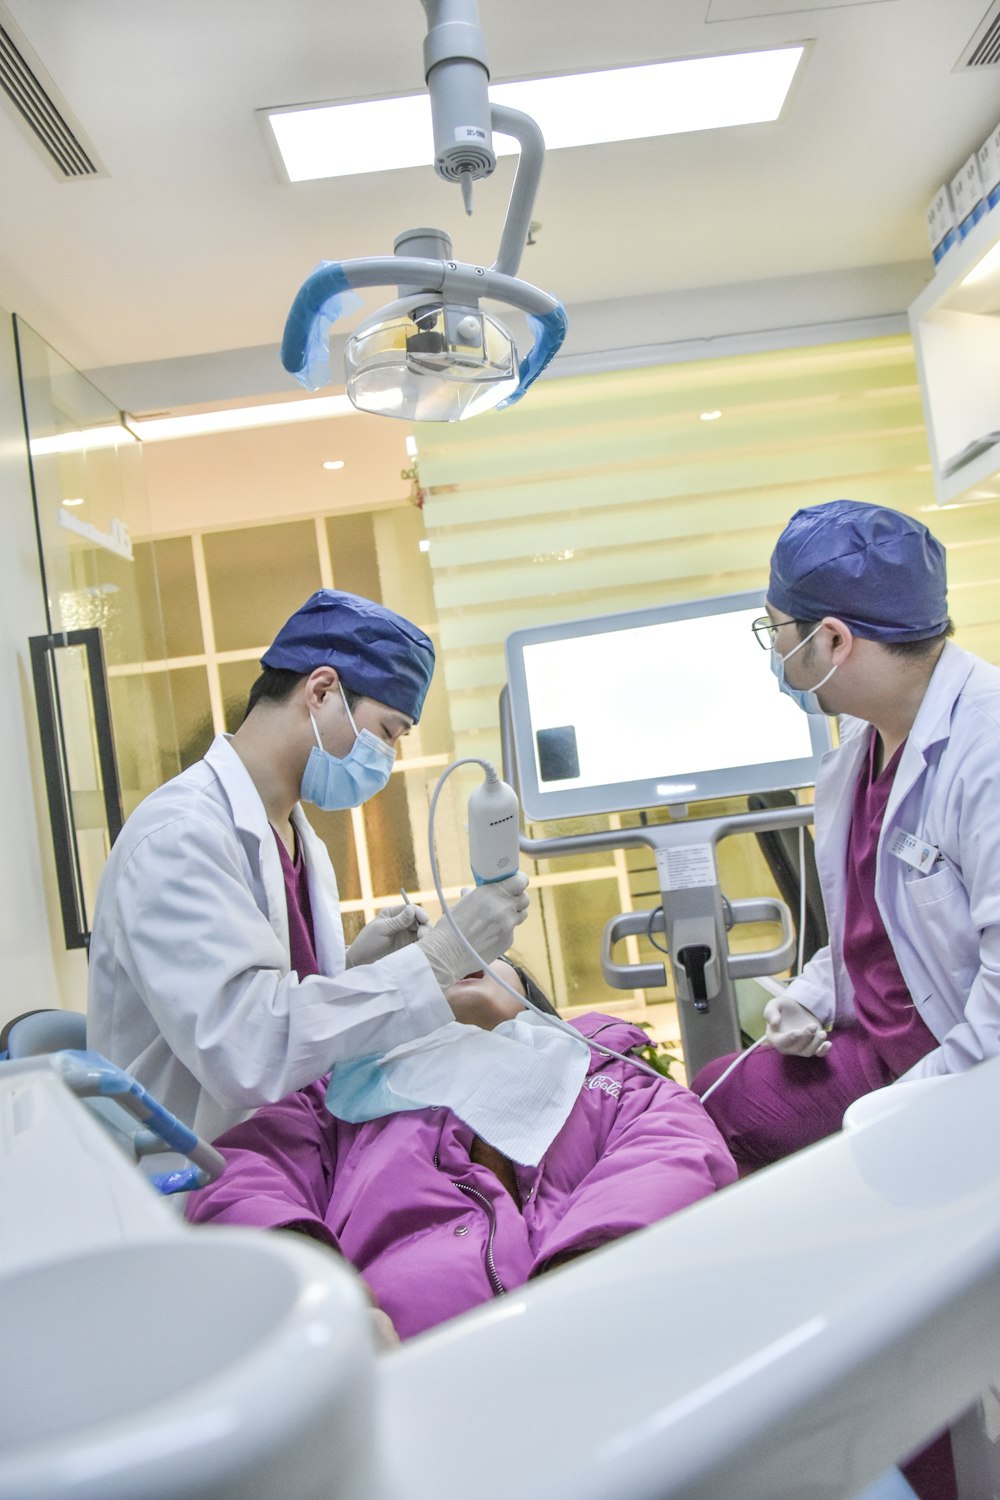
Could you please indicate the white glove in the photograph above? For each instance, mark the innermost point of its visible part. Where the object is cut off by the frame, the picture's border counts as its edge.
(794, 1030)
(391, 930)
(486, 917)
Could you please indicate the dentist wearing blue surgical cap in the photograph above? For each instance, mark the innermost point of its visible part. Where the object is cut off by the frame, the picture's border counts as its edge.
(907, 833)
(218, 971)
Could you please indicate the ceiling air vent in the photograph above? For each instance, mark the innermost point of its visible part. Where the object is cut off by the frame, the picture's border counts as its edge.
(984, 49)
(32, 98)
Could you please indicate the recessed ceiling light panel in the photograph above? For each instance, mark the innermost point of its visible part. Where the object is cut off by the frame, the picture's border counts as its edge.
(579, 109)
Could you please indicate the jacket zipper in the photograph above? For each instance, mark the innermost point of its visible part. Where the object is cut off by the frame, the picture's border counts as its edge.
(499, 1290)
(498, 1287)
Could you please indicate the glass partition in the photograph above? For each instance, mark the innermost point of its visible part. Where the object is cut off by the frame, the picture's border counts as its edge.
(108, 725)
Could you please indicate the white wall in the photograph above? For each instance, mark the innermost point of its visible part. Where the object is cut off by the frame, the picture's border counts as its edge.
(36, 970)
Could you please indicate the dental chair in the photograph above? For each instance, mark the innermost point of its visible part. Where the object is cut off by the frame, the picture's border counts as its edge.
(39, 1031)
(170, 1156)
(152, 1361)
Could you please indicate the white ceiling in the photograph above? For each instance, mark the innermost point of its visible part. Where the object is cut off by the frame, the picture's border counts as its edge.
(172, 275)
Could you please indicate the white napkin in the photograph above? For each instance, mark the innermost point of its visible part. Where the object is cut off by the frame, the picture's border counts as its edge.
(514, 1086)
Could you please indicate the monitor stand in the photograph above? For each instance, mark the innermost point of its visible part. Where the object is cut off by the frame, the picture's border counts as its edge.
(695, 919)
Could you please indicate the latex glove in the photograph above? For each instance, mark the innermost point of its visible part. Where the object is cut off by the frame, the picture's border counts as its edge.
(391, 930)
(794, 1030)
(486, 917)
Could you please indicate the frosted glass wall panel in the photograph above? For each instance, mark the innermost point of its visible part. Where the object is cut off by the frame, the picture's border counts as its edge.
(193, 708)
(336, 831)
(353, 558)
(90, 506)
(175, 568)
(257, 578)
(236, 679)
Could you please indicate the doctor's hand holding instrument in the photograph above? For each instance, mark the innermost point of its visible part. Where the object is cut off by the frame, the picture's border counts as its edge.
(387, 932)
(481, 923)
(791, 1029)
(487, 916)
(481, 926)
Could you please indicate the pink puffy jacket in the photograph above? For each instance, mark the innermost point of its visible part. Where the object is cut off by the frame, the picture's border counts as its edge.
(434, 1233)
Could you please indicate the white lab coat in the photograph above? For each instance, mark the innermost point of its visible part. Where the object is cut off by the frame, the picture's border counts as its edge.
(944, 925)
(190, 984)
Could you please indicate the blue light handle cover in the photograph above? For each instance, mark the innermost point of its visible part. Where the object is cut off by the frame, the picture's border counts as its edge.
(549, 329)
(324, 297)
(327, 294)
(89, 1074)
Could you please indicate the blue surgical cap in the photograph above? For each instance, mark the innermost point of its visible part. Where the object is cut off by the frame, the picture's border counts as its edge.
(377, 653)
(879, 571)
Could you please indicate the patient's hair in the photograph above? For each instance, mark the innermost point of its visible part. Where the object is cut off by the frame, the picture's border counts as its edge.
(532, 988)
(276, 685)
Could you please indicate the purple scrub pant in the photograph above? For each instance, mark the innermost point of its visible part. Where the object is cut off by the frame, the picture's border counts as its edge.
(772, 1105)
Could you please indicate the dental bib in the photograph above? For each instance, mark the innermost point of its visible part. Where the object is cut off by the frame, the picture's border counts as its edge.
(514, 1086)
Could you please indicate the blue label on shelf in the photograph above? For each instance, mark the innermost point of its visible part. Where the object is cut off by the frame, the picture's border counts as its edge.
(951, 238)
(972, 219)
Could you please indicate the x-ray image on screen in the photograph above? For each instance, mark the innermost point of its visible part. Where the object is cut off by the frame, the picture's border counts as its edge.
(557, 754)
(671, 705)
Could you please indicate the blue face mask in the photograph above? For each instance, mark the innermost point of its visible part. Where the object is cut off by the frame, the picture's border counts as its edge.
(334, 784)
(804, 697)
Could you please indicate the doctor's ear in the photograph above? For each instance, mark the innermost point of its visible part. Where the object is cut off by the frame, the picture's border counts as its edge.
(840, 637)
(321, 681)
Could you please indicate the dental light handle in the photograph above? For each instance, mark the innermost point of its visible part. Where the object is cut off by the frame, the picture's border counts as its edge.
(494, 826)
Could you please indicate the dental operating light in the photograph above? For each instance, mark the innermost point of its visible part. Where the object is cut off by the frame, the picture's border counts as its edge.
(434, 354)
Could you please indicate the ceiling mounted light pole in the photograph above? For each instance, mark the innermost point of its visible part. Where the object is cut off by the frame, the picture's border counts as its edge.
(434, 355)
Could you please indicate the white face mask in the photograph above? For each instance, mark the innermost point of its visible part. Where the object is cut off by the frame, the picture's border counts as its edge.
(804, 697)
(333, 784)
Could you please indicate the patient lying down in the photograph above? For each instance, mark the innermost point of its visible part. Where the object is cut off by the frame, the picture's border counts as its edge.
(438, 1222)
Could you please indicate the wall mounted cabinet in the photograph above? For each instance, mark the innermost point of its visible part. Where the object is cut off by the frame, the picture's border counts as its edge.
(956, 333)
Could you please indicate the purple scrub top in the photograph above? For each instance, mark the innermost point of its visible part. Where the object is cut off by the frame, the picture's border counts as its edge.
(883, 1004)
(301, 938)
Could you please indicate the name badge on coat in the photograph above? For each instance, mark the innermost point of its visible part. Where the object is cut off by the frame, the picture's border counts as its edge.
(913, 851)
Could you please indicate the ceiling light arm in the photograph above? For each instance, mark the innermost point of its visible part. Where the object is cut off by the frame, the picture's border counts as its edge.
(457, 73)
(327, 295)
(529, 137)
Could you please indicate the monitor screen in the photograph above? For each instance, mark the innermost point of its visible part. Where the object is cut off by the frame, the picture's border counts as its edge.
(659, 706)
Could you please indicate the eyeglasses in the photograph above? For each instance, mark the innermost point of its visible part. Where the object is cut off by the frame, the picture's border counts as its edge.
(765, 630)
